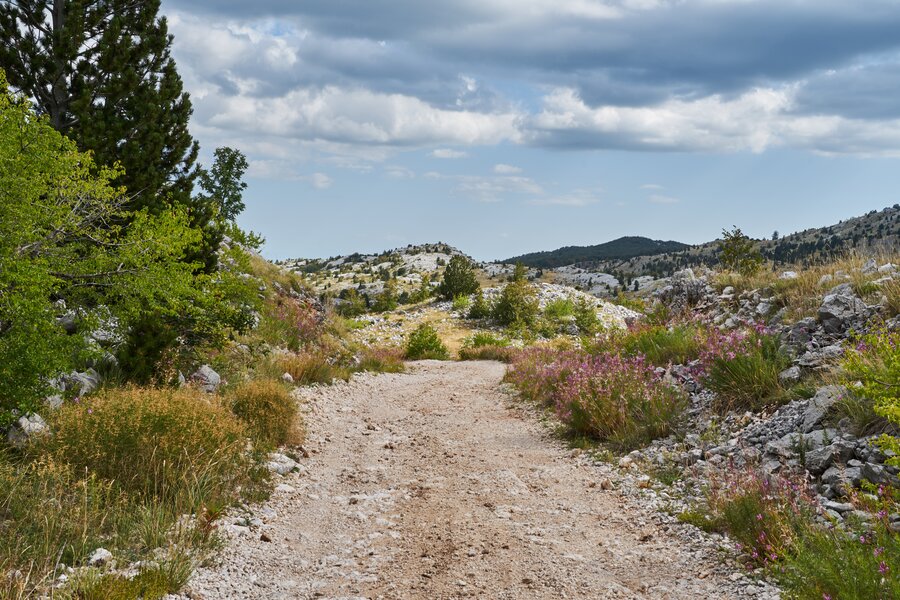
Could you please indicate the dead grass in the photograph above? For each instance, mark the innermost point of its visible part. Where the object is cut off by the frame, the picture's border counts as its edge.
(269, 412)
(803, 295)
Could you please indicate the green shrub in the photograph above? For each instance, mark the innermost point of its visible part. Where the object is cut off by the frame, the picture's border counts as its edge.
(661, 345)
(179, 446)
(486, 346)
(484, 338)
(586, 317)
(460, 303)
(269, 412)
(387, 300)
(517, 305)
(424, 343)
(152, 582)
(459, 279)
(559, 309)
(738, 253)
(875, 364)
(480, 308)
(352, 304)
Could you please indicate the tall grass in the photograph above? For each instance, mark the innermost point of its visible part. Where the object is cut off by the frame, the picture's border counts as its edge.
(773, 521)
(381, 359)
(120, 471)
(742, 368)
(660, 345)
(268, 411)
(803, 294)
(309, 367)
(180, 446)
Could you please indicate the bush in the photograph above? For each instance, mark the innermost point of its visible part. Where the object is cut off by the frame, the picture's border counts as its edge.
(618, 400)
(586, 317)
(381, 359)
(517, 305)
(269, 412)
(538, 372)
(738, 253)
(387, 300)
(875, 363)
(559, 309)
(460, 303)
(773, 521)
(178, 446)
(424, 343)
(352, 304)
(480, 309)
(311, 367)
(459, 279)
(613, 399)
(484, 338)
(289, 323)
(742, 368)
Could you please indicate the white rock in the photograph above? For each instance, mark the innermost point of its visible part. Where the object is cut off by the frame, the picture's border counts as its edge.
(100, 557)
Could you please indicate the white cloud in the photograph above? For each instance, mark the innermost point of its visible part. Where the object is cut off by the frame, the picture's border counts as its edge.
(448, 153)
(496, 189)
(577, 198)
(661, 199)
(506, 169)
(399, 172)
(652, 186)
(320, 181)
(362, 117)
(754, 121)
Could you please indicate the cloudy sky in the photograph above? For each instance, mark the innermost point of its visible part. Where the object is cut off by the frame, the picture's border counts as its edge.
(506, 126)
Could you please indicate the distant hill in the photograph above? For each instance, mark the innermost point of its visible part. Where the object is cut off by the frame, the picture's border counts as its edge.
(620, 249)
(877, 231)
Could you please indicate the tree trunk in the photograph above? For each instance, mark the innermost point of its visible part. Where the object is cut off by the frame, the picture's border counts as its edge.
(58, 108)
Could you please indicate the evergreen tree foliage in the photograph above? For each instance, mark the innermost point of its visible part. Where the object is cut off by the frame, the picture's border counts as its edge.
(459, 279)
(102, 72)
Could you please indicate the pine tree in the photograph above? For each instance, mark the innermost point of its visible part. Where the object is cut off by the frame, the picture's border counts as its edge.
(459, 279)
(102, 72)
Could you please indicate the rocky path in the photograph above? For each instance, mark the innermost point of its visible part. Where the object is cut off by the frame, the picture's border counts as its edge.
(430, 484)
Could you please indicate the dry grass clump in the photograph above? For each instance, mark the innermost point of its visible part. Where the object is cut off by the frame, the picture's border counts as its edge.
(180, 446)
(310, 367)
(381, 359)
(268, 411)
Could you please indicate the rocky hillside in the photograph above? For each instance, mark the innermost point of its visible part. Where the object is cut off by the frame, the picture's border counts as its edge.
(367, 273)
(876, 231)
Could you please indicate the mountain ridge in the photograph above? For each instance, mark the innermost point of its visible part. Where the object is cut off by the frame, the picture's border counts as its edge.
(621, 248)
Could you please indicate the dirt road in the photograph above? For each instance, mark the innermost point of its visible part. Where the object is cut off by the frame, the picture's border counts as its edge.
(430, 484)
